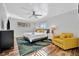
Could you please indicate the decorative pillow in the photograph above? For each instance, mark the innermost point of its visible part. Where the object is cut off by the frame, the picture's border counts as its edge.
(57, 36)
(66, 35)
(63, 36)
(39, 30)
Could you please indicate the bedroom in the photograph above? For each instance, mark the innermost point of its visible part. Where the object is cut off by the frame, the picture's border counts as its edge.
(34, 22)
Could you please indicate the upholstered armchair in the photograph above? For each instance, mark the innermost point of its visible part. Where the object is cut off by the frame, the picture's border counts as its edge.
(65, 41)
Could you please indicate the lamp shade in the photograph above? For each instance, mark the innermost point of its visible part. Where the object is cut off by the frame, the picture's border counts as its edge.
(54, 27)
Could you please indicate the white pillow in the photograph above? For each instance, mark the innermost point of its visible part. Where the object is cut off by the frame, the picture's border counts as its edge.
(36, 33)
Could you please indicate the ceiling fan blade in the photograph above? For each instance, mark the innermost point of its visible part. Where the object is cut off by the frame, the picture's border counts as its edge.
(37, 15)
(33, 16)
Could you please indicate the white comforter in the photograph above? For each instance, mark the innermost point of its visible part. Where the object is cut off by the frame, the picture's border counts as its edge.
(34, 36)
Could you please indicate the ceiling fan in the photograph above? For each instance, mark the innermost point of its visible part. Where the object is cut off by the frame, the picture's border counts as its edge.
(33, 13)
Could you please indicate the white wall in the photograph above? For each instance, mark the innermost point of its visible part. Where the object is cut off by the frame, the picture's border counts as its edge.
(66, 22)
(13, 22)
(65, 16)
(18, 31)
(55, 9)
(2, 14)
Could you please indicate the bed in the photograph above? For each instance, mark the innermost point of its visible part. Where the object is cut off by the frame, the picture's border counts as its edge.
(32, 37)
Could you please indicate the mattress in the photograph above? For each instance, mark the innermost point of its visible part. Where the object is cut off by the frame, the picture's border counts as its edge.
(34, 36)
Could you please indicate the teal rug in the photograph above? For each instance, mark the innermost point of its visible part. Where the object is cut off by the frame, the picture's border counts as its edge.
(25, 47)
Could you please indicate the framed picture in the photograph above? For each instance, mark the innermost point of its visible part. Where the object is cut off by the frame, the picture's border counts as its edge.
(22, 24)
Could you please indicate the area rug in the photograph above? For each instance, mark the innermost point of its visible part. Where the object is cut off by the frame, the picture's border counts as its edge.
(25, 47)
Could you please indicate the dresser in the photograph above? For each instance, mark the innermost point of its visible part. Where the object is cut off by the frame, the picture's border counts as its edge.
(6, 39)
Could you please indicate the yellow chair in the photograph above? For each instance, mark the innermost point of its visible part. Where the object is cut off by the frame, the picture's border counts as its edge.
(65, 41)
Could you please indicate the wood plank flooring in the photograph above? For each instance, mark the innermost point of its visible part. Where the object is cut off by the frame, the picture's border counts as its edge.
(50, 50)
(53, 50)
(11, 52)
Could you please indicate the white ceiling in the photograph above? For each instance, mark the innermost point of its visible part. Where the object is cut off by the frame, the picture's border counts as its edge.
(55, 9)
(24, 10)
(60, 8)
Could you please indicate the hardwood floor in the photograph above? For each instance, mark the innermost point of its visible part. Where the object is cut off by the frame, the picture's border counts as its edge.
(11, 52)
(50, 50)
(53, 50)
